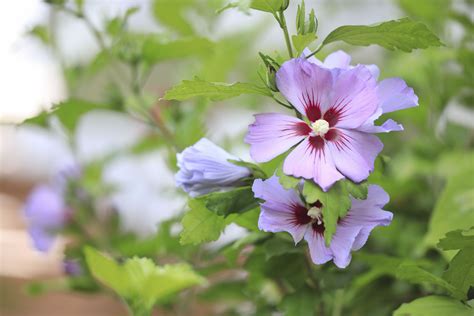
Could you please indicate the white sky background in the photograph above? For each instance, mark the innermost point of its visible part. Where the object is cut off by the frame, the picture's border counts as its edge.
(30, 78)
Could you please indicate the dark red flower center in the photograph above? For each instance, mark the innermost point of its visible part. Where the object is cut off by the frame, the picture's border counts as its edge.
(305, 216)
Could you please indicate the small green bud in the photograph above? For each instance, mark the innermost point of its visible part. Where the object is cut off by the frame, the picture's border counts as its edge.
(313, 22)
(285, 4)
(302, 26)
(271, 67)
(300, 18)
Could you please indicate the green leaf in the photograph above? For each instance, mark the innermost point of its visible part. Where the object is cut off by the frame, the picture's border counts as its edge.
(278, 246)
(227, 292)
(300, 42)
(336, 203)
(403, 34)
(358, 191)
(214, 90)
(461, 268)
(155, 49)
(288, 182)
(433, 306)
(301, 303)
(68, 112)
(457, 239)
(170, 13)
(238, 200)
(454, 208)
(414, 274)
(138, 280)
(191, 126)
(200, 224)
(247, 220)
(271, 6)
(407, 270)
(232, 252)
(42, 33)
(461, 271)
(257, 172)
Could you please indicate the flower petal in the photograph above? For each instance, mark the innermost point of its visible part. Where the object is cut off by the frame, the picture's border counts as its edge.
(394, 94)
(353, 99)
(204, 167)
(317, 249)
(306, 85)
(41, 238)
(388, 126)
(277, 212)
(374, 70)
(338, 59)
(354, 153)
(311, 59)
(272, 134)
(45, 207)
(368, 214)
(312, 160)
(342, 242)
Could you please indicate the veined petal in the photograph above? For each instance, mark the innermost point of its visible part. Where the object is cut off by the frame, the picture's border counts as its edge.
(312, 160)
(394, 94)
(353, 99)
(272, 134)
(368, 214)
(306, 85)
(274, 193)
(354, 153)
(352, 231)
(282, 210)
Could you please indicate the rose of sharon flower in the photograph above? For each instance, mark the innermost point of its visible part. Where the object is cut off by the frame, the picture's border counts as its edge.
(283, 210)
(340, 104)
(205, 167)
(393, 93)
(45, 212)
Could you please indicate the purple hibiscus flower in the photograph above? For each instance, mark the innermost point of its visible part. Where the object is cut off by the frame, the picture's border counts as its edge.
(340, 103)
(46, 213)
(205, 167)
(283, 210)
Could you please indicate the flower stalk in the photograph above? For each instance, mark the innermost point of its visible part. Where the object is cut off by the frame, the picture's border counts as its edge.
(282, 21)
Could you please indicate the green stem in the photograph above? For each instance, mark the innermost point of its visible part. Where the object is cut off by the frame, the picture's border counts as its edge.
(282, 103)
(281, 20)
(316, 51)
(138, 310)
(338, 303)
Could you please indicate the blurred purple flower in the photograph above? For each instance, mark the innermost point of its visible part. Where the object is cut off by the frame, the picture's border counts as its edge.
(204, 168)
(341, 103)
(45, 212)
(72, 267)
(283, 210)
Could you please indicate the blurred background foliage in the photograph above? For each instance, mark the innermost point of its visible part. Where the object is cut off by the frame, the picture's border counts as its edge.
(428, 170)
